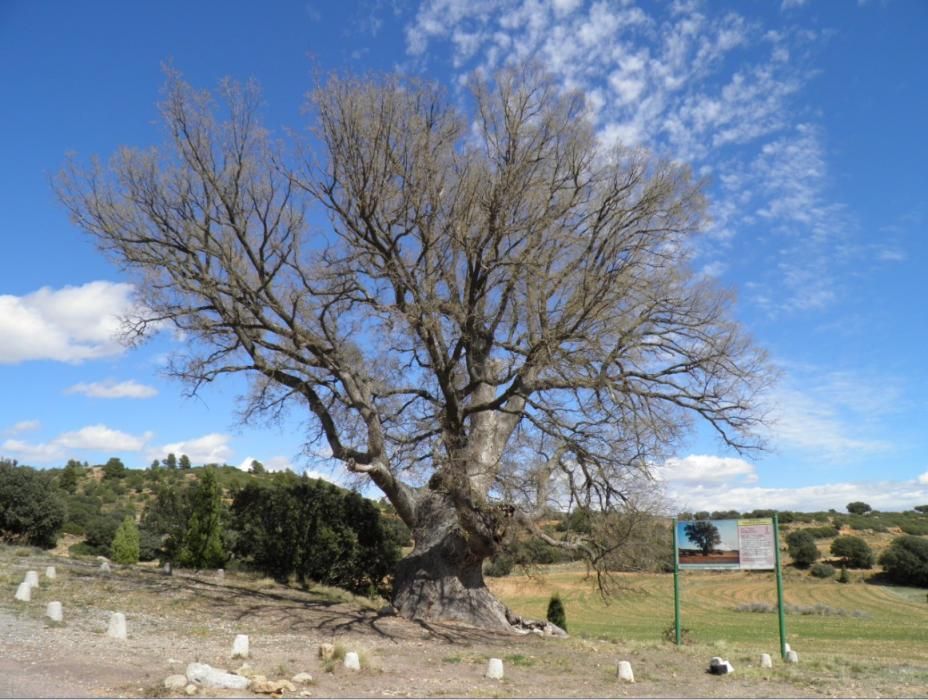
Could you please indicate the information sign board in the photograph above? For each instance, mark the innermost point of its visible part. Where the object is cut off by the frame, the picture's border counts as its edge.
(726, 544)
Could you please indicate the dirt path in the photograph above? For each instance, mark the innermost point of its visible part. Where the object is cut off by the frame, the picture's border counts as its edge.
(174, 620)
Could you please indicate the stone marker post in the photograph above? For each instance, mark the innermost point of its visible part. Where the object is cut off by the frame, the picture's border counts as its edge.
(32, 578)
(53, 610)
(50, 572)
(24, 592)
(117, 626)
(625, 673)
(495, 669)
(352, 661)
(240, 646)
(766, 661)
(792, 657)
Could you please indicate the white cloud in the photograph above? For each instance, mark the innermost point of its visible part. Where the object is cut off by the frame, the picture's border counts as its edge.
(92, 437)
(272, 464)
(207, 449)
(100, 437)
(881, 495)
(23, 426)
(923, 479)
(41, 453)
(71, 324)
(110, 389)
(707, 468)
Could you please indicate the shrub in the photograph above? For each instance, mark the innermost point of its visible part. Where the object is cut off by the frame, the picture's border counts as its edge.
(556, 613)
(100, 533)
(858, 508)
(825, 532)
(906, 561)
(125, 547)
(498, 566)
(287, 525)
(912, 528)
(802, 548)
(853, 551)
(32, 510)
(822, 570)
(149, 545)
(203, 545)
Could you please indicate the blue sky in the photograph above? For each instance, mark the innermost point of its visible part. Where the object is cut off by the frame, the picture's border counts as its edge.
(807, 118)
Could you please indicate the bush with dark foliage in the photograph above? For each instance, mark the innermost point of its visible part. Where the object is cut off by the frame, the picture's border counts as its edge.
(906, 561)
(309, 528)
(32, 509)
(556, 612)
(802, 548)
(854, 552)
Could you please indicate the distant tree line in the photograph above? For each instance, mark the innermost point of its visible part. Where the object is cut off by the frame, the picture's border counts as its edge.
(288, 526)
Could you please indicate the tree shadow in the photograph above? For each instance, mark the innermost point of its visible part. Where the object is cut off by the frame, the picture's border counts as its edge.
(282, 609)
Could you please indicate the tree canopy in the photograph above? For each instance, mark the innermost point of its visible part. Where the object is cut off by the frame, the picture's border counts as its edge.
(704, 534)
(498, 317)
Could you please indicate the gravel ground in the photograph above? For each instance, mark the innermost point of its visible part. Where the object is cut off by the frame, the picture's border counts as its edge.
(174, 620)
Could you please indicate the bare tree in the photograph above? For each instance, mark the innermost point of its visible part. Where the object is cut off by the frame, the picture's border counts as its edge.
(497, 315)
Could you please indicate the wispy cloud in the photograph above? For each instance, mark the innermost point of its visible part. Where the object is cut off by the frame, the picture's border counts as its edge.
(834, 414)
(111, 389)
(881, 495)
(709, 87)
(23, 426)
(71, 324)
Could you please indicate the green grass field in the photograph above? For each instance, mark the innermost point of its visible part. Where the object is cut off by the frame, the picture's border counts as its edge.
(862, 622)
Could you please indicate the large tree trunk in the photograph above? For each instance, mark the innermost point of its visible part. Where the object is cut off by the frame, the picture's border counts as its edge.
(442, 579)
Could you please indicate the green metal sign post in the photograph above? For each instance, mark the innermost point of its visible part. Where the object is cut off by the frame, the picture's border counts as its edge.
(780, 611)
(676, 587)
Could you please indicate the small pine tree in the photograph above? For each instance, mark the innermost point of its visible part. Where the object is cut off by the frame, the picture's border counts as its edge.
(556, 613)
(203, 540)
(125, 546)
(843, 577)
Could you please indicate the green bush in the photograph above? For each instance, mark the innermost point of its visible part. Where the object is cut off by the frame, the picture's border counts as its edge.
(32, 509)
(824, 532)
(125, 547)
(100, 533)
(498, 566)
(843, 577)
(312, 529)
(822, 570)
(556, 612)
(802, 548)
(149, 545)
(906, 561)
(854, 552)
(203, 546)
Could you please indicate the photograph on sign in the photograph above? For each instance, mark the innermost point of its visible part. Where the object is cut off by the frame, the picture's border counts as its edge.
(726, 544)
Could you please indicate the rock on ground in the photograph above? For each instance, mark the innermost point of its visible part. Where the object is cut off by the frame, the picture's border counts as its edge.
(175, 682)
(209, 677)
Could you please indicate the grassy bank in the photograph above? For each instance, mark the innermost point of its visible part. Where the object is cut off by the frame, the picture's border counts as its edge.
(859, 621)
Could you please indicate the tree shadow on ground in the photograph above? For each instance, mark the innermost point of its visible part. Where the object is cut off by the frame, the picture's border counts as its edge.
(280, 608)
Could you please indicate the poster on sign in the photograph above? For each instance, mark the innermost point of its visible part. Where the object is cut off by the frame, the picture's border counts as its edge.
(726, 544)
